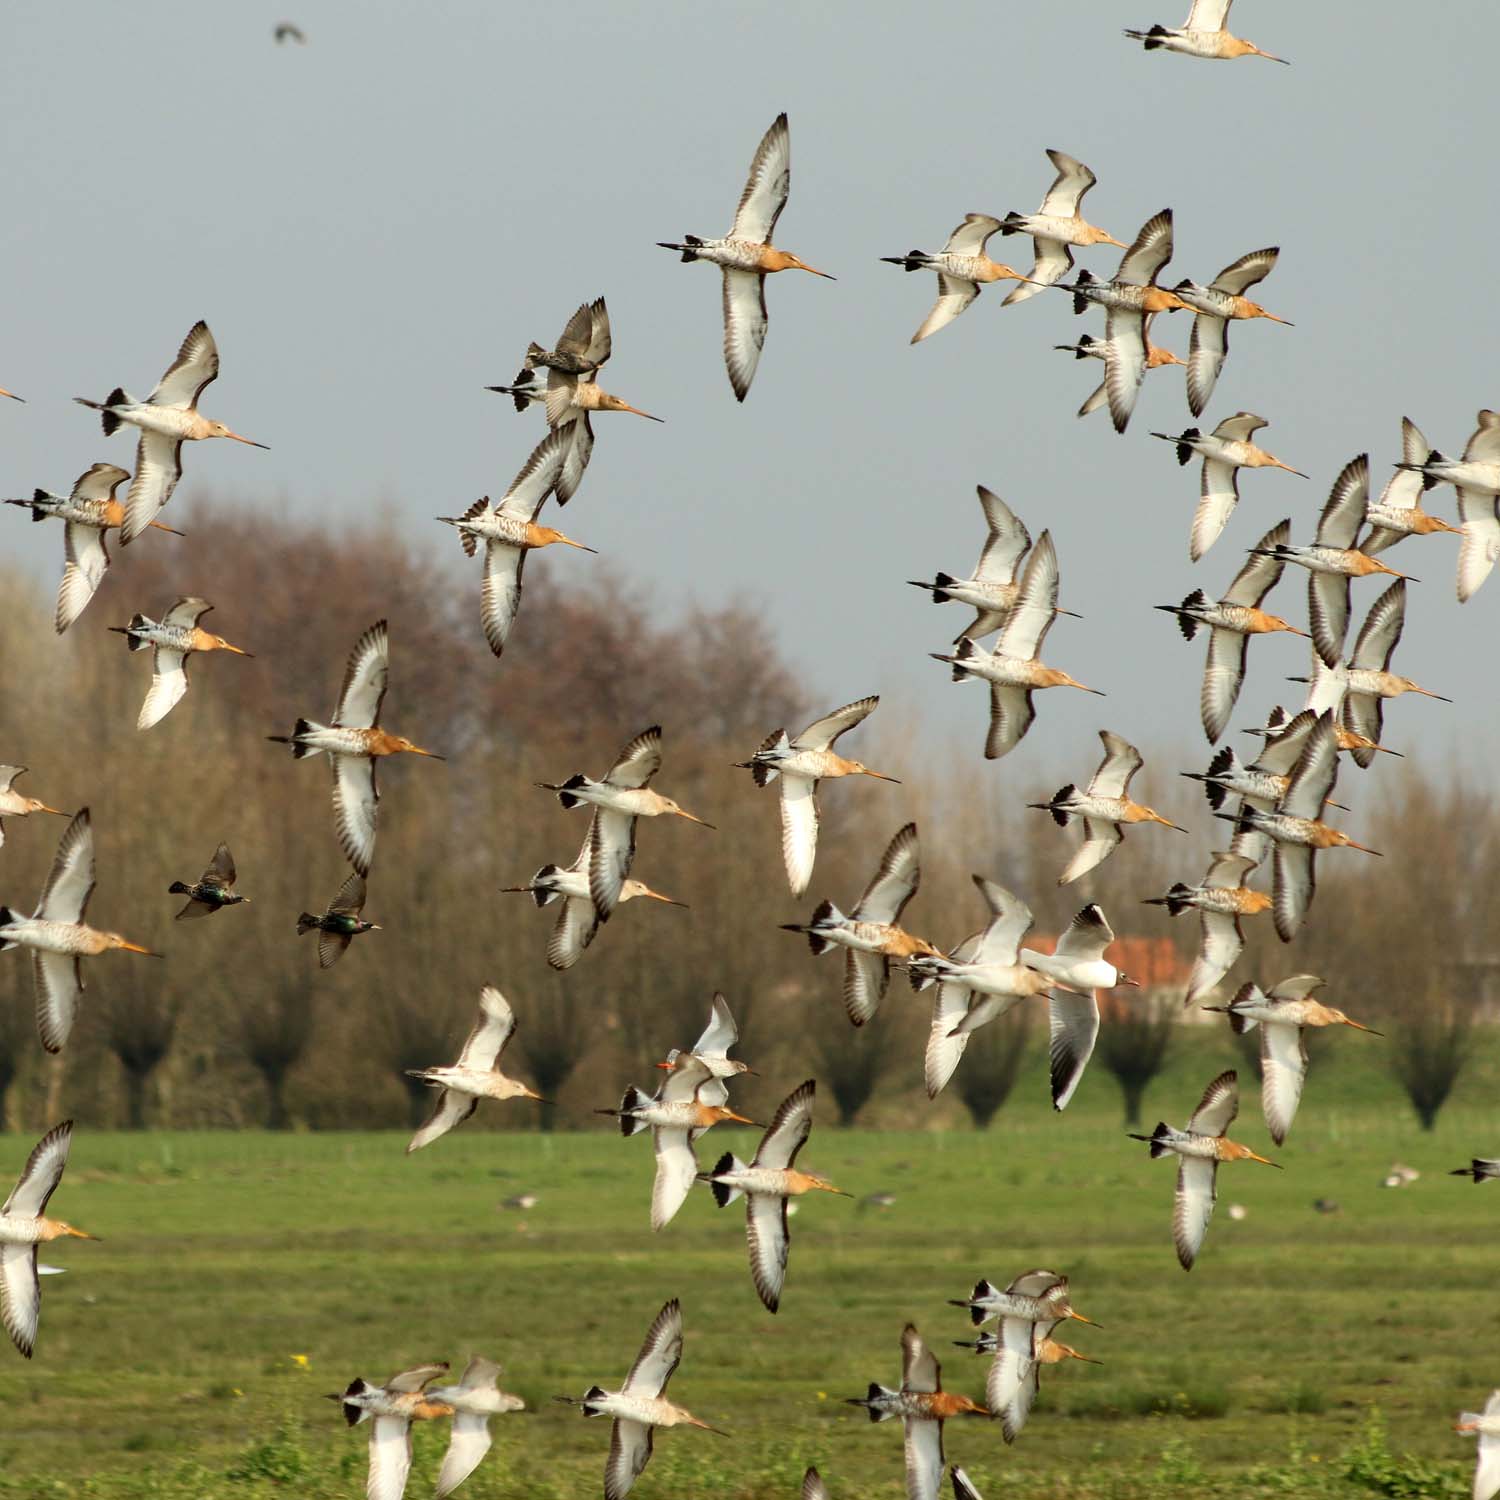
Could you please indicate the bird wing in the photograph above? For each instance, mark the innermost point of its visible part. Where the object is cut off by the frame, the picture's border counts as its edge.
(799, 829)
(1218, 494)
(1073, 180)
(638, 762)
(1011, 715)
(86, 560)
(70, 882)
(1283, 1066)
(1260, 574)
(1483, 446)
(1088, 935)
(169, 683)
(895, 880)
(1124, 362)
(561, 399)
(1121, 761)
(158, 467)
(1073, 1024)
(574, 339)
(629, 1453)
(1479, 520)
(676, 1171)
(496, 1025)
(950, 1004)
(1031, 616)
(1227, 870)
(452, 1108)
(1221, 944)
(500, 591)
(1328, 613)
(100, 481)
(221, 871)
(390, 1458)
(821, 733)
(59, 984)
(1348, 500)
(866, 976)
(1051, 261)
(1101, 839)
(196, 366)
(685, 1080)
(789, 1129)
(601, 341)
(813, 1487)
(924, 1458)
(720, 1034)
(1193, 1206)
(1208, 348)
(745, 319)
(468, 1442)
(1242, 274)
(1316, 770)
(1376, 642)
(575, 456)
(41, 1174)
(331, 948)
(355, 798)
(1218, 1106)
(1294, 887)
(365, 680)
(660, 1354)
(1006, 543)
(1487, 1469)
(1142, 262)
(574, 930)
(186, 612)
(20, 1295)
(539, 475)
(920, 1371)
(766, 187)
(350, 900)
(1223, 674)
(970, 237)
(769, 1240)
(1010, 921)
(610, 859)
(1208, 15)
(955, 293)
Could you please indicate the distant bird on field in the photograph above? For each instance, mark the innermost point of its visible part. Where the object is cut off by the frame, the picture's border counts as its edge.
(173, 638)
(14, 805)
(212, 890)
(340, 924)
(1204, 34)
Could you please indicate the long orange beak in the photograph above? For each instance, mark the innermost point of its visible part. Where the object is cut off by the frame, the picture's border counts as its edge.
(1265, 1161)
(1428, 693)
(1078, 1317)
(828, 1187)
(1276, 463)
(1109, 239)
(57, 810)
(866, 771)
(1269, 57)
(79, 1234)
(1363, 849)
(158, 525)
(249, 441)
(692, 817)
(743, 1120)
(418, 750)
(1444, 526)
(1356, 1025)
(1099, 692)
(238, 650)
(532, 1094)
(12, 395)
(667, 900)
(1380, 567)
(803, 266)
(626, 406)
(568, 541)
(136, 948)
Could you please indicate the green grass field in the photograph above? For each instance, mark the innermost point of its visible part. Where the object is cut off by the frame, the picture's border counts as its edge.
(165, 1364)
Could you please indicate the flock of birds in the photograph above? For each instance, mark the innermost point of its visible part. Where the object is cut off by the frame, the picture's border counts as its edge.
(1280, 798)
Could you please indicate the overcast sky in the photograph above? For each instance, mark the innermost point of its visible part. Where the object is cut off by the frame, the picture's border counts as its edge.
(375, 224)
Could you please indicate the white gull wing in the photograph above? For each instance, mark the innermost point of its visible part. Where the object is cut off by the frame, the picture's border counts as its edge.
(500, 591)
(496, 1025)
(186, 612)
(895, 880)
(660, 1354)
(196, 366)
(1260, 574)
(767, 186)
(1220, 944)
(365, 679)
(1208, 348)
(789, 1129)
(1208, 15)
(1479, 520)
(1193, 1206)
(1073, 1027)
(821, 733)
(970, 237)
(70, 882)
(100, 481)
(452, 1109)
(1315, 772)
(1293, 888)
(924, 1458)
(1223, 676)
(720, 1034)
(1124, 362)
(949, 1006)
(538, 477)
(745, 320)
(1240, 275)
(866, 977)
(920, 1371)
(1051, 261)
(1088, 935)
(468, 1443)
(1378, 637)
(1403, 490)
(1152, 249)
(1218, 494)
(1010, 921)
(1100, 840)
(1487, 1470)
(1073, 180)
(1011, 715)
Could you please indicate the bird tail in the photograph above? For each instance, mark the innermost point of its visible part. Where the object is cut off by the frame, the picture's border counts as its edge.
(688, 247)
(177, 888)
(353, 1414)
(634, 1099)
(874, 1402)
(725, 1193)
(1239, 1022)
(296, 739)
(1011, 223)
(1184, 442)
(591, 1398)
(826, 912)
(1152, 39)
(7, 916)
(133, 642)
(1061, 795)
(1176, 900)
(1158, 1140)
(542, 894)
(940, 585)
(534, 352)
(107, 419)
(306, 922)
(566, 790)
(913, 260)
(964, 649)
(1185, 621)
(37, 496)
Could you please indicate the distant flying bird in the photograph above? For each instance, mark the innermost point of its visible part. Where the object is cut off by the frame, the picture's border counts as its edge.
(1056, 226)
(212, 890)
(341, 923)
(1476, 477)
(475, 1399)
(1283, 1013)
(1036, 1296)
(1203, 34)
(287, 32)
(1398, 512)
(1088, 347)
(1231, 622)
(23, 1226)
(871, 934)
(475, 1076)
(1225, 451)
(923, 1406)
(766, 1183)
(394, 1406)
(509, 531)
(747, 257)
(1486, 1425)
(57, 935)
(87, 512)
(801, 764)
(1218, 304)
(14, 805)
(168, 417)
(1480, 1168)
(353, 741)
(1013, 669)
(173, 639)
(577, 921)
(621, 797)
(639, 1406)
(1104, 806)
(963, 270)
(1220, 901)
(1199, 1150)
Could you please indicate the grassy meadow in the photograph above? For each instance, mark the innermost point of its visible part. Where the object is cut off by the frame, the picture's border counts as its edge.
(243, 1275)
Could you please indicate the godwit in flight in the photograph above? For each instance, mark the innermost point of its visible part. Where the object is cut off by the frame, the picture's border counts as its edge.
(509, 531)
(950, 1004)
(173, 639)
(747, 257)
(712, 1050)
(1486, 1425)
(475, 1399)
(475, 1076)
(1332, 559)
(572, 392)
(212, 890)
(1055, 226)
(813, 1487)
(168, 417)
(394, 1406)
(1199, 1150)
(1220, 901)
(1037, 1296)
(1203, 34)
(14, 805)
(620, 797)
(352, 741)
(923, 1406)
(1217, 305)
(341, 923)
(1398, 512)
(1231, 621)
(639, 1407)
(1476, 477)
(1480, 1168)
(871, 934)
(1296, 829)
(767, 1182)
(963, 270)
(678, 1114)
(1104, 806)
(1127, 300)
(23, 1226)
(57, 935)
(1013, 669)
(87, 512)
(1283, 1013)
(993, 589)
(802, 763)
(577, 921)
(1088, 347)
(1225, 451)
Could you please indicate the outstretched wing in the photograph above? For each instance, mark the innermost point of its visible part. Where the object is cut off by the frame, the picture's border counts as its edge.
(766, 187)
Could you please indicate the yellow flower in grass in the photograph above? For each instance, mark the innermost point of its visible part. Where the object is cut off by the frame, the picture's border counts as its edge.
(300, 1360)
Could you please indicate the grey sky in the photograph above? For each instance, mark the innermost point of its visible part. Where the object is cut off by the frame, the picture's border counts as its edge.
(375, 225)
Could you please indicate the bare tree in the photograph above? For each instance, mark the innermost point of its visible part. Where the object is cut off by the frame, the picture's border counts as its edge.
(1134, 1038)
(140, 1018)
(850, 1060)
(1429, 1048)
(274, 1032)
(990, 1064)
